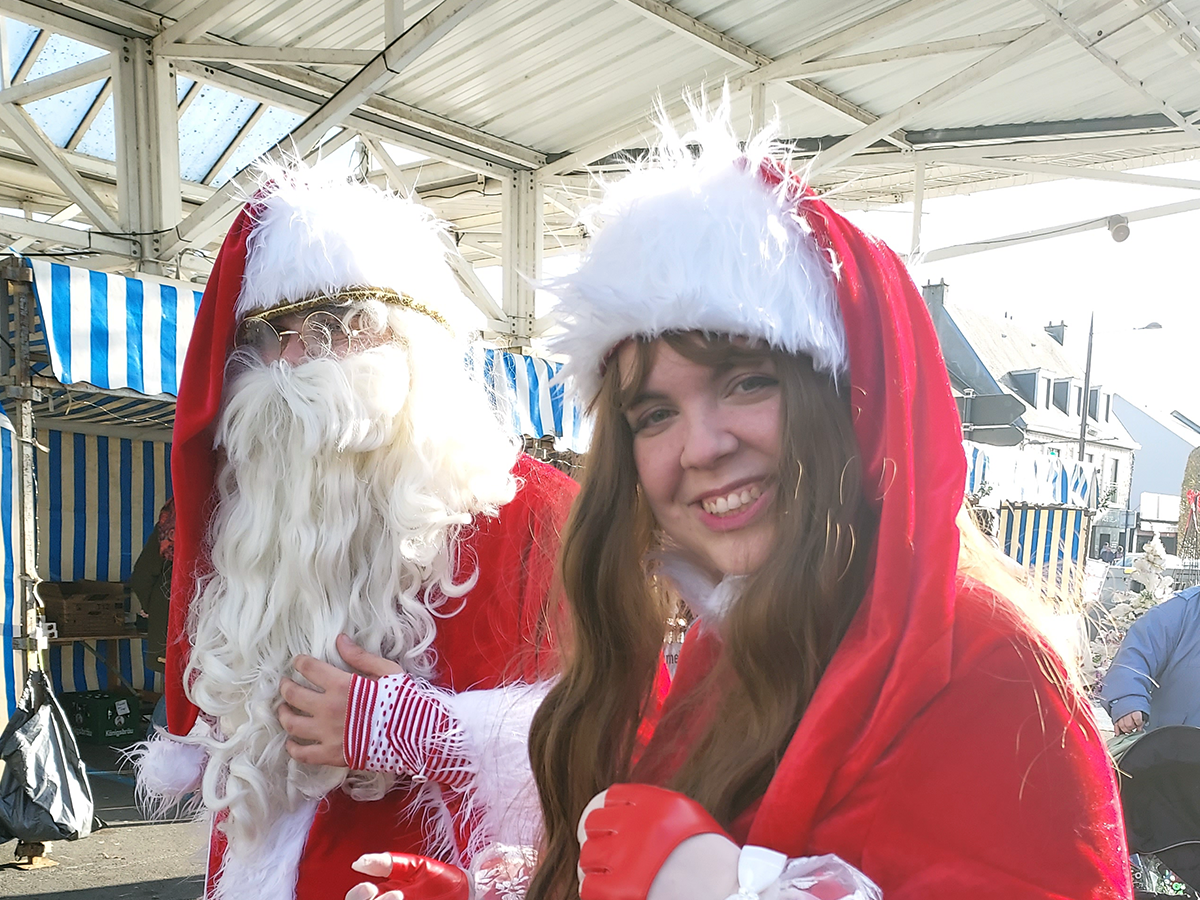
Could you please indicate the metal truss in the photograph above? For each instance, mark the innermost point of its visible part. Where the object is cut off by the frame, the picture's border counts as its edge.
(142, 215)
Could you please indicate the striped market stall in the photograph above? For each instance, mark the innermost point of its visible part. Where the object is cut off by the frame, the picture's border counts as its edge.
(103, 354)
(1050, 542)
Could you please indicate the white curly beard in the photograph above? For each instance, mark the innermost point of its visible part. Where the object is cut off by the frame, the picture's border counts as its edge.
(343, 486)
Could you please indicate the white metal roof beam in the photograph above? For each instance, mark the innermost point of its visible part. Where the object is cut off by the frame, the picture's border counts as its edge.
(231, 148)
(25, 132)
(964, 80)
(62, 23)
(458, 142)
(739, 53)
(309, 56)
(393, 20)
(62, 80)
(69, 237)
(90, 116)
(405, 49)
(188, 98)
(984, 41)
(427, 122)
(1041, 234)
(63, 215)
(1070, 28)
(1060, 171)
(868, 26)
(1185, 38)
(194, 24)
(852, 112)
(682, 23)
(365, 120)
(27, 62)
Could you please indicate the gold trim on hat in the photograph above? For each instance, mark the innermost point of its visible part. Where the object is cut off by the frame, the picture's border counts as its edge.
(348, 296)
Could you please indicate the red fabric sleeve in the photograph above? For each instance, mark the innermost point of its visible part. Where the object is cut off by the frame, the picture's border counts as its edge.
(1002, 790)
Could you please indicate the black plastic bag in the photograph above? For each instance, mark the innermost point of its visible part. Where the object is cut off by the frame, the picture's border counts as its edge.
(44, 791)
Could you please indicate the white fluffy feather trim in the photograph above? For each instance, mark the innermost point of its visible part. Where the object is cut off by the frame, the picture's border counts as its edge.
(167, 771)
(318, 233)
(269, 873)
(697, 243)
(500, 805)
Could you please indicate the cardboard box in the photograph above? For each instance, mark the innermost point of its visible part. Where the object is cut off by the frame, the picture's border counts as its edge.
(98, 717)
(85, 608)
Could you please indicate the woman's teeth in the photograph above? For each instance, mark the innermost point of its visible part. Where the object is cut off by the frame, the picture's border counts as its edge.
(723, 506)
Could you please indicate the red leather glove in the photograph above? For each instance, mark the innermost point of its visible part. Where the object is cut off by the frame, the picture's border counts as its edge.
(631, 836)
(422, 878)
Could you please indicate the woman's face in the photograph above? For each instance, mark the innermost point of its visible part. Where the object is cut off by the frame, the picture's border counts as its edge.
(706, 443)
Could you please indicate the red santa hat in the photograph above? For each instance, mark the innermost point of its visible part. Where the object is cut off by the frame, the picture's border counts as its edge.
(698, 243)
(730, 240)
(302, 240)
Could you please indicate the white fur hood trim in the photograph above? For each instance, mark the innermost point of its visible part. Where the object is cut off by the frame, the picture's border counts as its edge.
(707, 600)
(689, 243)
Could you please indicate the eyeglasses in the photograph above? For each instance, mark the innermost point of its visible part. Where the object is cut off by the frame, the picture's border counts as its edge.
(332, 331)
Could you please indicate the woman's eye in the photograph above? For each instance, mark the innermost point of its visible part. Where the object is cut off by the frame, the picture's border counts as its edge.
(752, 383)
(651, 418)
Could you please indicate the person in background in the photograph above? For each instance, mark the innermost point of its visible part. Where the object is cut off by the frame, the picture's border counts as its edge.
(1154, 679)
(150, 583)
(1106, 553)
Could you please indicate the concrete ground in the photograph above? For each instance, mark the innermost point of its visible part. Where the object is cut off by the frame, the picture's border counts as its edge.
(129, 857)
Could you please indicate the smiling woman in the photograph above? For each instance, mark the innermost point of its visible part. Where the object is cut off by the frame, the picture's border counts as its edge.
(860, 706)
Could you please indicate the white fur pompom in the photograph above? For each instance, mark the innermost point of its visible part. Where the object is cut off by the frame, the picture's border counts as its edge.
(168, 770)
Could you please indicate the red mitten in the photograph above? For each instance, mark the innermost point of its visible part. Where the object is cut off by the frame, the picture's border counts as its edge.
(422, 878)
(631, 836)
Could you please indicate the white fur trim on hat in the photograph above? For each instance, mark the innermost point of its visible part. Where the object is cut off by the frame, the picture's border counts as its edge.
(318, 233)
(697, 243)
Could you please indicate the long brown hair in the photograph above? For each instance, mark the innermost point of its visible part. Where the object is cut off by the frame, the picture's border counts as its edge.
(777, 640)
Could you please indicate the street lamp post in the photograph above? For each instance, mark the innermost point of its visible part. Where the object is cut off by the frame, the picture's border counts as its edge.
(1086, 400)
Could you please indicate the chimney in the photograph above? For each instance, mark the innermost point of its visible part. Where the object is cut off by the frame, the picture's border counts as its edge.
(935, 295)
(1058, 332)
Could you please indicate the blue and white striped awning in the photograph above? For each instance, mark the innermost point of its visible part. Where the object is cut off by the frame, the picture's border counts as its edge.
(115, 331)
(1022, 475)
(119, 331)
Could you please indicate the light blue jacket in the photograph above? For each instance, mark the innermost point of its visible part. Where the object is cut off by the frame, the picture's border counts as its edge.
(1157, 668)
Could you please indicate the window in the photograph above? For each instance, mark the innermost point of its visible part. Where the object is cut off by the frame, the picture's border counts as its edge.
(1116, 470)
(1108, 411)
(1049, 387)
(1078, 400)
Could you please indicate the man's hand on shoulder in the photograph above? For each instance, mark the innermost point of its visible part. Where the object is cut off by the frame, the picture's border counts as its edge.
(315, 717)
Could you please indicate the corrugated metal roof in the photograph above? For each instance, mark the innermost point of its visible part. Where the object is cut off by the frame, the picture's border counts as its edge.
(557, 76)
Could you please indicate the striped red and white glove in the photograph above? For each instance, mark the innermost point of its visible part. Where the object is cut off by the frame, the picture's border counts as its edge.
(398, 724)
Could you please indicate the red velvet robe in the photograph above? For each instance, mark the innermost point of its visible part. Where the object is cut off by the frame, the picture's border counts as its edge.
(999, 788)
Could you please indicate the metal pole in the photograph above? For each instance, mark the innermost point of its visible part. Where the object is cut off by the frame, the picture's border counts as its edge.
(18, 286)
(1085, 401)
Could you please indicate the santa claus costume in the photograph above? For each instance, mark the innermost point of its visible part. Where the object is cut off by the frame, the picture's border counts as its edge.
(363, 486)
(943, 752)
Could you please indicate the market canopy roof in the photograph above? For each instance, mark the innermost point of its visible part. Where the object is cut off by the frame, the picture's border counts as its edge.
(133, 120)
